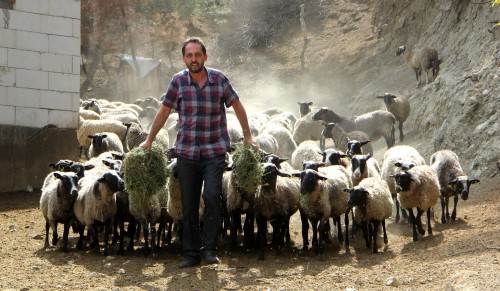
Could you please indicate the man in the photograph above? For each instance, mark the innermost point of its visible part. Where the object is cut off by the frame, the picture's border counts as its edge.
(199, 95)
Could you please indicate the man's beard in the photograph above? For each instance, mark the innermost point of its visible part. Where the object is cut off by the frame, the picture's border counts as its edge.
(197, 69)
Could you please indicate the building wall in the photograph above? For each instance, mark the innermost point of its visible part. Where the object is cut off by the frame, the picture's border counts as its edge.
(39, 78)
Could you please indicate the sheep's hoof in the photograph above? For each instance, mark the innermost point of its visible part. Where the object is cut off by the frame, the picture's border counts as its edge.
(443, 221)
(415, 238)
(453, 217)
(305, 248)
(54, 241)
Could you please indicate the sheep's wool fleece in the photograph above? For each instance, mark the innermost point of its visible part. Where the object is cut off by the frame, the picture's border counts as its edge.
(379, 204)
(339, 179)
(88, 207)
(403, 154)
(424, 189)
(282, 200)
(306, 151)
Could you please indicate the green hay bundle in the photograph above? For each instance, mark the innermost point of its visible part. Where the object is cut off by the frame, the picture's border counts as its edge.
(247, 169)
(144, 172)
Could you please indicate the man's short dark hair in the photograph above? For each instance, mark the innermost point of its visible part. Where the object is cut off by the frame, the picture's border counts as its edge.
(194, 40)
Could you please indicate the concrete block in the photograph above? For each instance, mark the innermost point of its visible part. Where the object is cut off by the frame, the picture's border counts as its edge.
(64, 82)
(38, 6)
(3, 56)
(76, 65)
(3, 95)
(65, 8)
(75, 97)
(24, 21)
(56, 63)
(64, 45)
(7, 115)
(77, 28)
(63, 119)
(32, 79)
(56, 25)
(7, 76)
(8, 38)
(32, 41)
(24, 59)
(33, 117)
(23, 97)
(56, 100)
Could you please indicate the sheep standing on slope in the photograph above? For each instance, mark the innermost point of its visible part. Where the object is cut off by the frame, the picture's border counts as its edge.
(421, 60)
(452, 180)
(372, 204)
(56, 204)
(341, 138)
(399, 106)
(376, 124)
(418, 188)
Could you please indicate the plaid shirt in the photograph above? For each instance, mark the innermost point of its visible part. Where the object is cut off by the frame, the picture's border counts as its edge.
(202, 117)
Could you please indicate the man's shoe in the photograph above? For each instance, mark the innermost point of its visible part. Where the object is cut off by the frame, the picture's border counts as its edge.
(190, 261)
(210, 257)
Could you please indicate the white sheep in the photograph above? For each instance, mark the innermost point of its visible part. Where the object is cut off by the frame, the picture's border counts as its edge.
(418, 188)
(58, 197)
(306, 151)
(122, 116)
(376, 124)
(286, 144)
(399, 106)
(90, 127)
(267, 142)
(401, 155)
(103, 142)
(372, 204)
(452, 180)
(307, 128)
(96, 205)
(286, 119)
(420, 61)
(136, 135)
(89, 114)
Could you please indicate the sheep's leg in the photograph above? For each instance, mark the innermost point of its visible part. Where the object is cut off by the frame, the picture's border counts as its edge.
(95, 239)
(121, 236)
(364, 227)
(429, 228)
(233, 229)
(65, 236)
(321, 229)
(168, 239)
(394, 196)
(413, 224)
(47, 227)
(454, 212)
(401, 134)
(160, 234)
(116, 236)
(248, 230)
(132, 227)
(386, 241)
(314, 223)
(355, 226)
(376, 224)
(322, 144)
(339, 230)
(370, 233)
(346, 221)
(261, 234)
(447, 200)
(81, 230)
(419, 221)
(443, 205)
(154, 246)
(108, 226)
(417, 73)
(145, 229)
(326, 232)
(305, 231)
(287, 238)
(55, 236)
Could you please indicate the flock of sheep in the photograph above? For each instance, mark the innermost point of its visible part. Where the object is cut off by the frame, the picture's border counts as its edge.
(302, 172)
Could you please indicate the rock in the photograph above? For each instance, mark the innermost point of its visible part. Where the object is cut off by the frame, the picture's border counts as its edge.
(35, 267)
(95, 275)
(392, 281)
(121, 271)
(462, 280)
(183, 275)
(37, 236)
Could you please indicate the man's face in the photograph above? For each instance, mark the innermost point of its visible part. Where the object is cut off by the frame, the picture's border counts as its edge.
(194, 57)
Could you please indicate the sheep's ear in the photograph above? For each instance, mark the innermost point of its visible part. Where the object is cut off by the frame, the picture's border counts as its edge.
(282, 160)
(104, 136)
(88, 167)
(57, 175)
(365, 142)
(90, 136)
(100, 180)
(52, 166)
(346, 190)
(309, 103)
(398, 164)
(322, 177)
(380, 97)
(343, 155)
(106, 162)
(474, 181)
(296, 174)
(369, 155)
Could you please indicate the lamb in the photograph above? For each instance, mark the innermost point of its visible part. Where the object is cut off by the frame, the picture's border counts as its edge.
(363, 166)
(399, 106)
(322, 197)
(452, 181)
(421, 60)
(96, 205)
(103, 142)
(90, 127)
(400, 155)
(56, 204)
(372, 204)
(376, 124)
(341, 138)
(418, 188)
(305, 151)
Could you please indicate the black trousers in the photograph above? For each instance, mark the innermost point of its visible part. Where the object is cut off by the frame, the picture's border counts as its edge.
(194, 175)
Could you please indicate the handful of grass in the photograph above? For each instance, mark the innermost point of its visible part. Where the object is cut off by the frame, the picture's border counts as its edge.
(247, 169)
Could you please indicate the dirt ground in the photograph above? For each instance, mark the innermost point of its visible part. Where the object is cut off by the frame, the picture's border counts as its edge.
(462, 255)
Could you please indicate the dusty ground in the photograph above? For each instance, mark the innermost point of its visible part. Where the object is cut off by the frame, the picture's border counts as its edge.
(463, 254)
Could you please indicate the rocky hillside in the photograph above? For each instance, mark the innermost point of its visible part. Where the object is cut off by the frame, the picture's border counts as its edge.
(350, 58)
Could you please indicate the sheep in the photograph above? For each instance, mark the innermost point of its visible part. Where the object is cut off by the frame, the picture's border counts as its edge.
(280, 163)
(418, 188)
(147, 116)
(121, 116)
(267, 142)
(123, 215)
(372, 204)
(103, 142)
(341, 138)
(399, 106)
(335, 157)
(276, 201)
(89, 114)
(56, 204)
(136, 135)
(256, 121)
(71, 166)
(376, 124)
(452, 181)
(286, 144)
(421, 60)
(148, 102)
(118, 107)
(307, 128)
(305, 151)
(402, 155)
(363, 166)
(354, 147)
(96, 204)
(286, 119)
(304, 107)
(272, 111)
(90, 127)
(322, 197)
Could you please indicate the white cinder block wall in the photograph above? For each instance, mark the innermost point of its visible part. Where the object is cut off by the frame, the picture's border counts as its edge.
(40, 63)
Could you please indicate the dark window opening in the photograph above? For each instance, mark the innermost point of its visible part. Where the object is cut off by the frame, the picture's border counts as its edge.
(7, 4)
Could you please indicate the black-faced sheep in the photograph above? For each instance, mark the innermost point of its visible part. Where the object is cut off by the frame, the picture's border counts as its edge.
(336, 157)
(56, 204)
(103, 142)
(452, 179)
(363, 166)
(341, 138)
(71, 166)
(354, 147)
(372, 204)
(376, 124)
(304, 107)
(418, 188)
(399, 106)
(91, 127)
(420, 61)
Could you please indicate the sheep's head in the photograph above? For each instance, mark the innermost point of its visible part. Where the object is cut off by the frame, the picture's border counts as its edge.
(97, 140)
(358, 196)
(403, 181)
(270, 175)
(388, 97)
(311, 165)
(354, 147)
(332, 157)
(112, 180)
(327, 131)
(358, 163)
(69, 185)
(274, 159)
(461, 186)
(304, 107)
(309, 180)
(400, 50)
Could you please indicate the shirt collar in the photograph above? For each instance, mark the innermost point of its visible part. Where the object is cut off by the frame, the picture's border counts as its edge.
(209, 74)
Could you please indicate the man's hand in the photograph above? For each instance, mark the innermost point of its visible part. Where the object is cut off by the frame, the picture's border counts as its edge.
(146, 145)
(249, 141)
